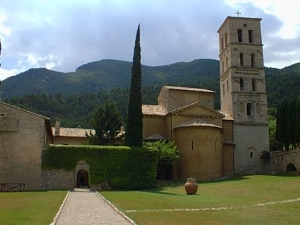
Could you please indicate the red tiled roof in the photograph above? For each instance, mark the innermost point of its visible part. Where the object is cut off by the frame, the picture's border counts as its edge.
(73, 132)
(157, 110)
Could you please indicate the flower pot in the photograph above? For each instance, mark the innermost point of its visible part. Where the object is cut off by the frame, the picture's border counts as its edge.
(191, 187)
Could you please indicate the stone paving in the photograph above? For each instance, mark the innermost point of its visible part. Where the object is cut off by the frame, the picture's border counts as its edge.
(85, 207)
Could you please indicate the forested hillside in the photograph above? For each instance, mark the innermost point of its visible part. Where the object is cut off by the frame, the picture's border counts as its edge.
(74, 96)
(105, 75)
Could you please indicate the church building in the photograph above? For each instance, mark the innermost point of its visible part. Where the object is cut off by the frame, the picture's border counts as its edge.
(212, 143)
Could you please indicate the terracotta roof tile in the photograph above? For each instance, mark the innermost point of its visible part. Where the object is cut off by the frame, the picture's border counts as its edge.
(73, 132)
(155, 110)
(188, 89)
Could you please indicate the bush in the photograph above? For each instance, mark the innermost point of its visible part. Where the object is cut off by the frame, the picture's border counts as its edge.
(122, 166)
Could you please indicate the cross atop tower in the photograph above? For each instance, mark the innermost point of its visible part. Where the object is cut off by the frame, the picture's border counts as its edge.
(238, 13)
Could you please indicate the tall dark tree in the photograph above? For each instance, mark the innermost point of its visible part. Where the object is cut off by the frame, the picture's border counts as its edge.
(282, 125)
(288, 123)
(134, 120)
(106, 122)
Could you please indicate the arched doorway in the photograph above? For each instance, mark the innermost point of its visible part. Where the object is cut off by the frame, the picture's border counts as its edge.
(82, 172)
(82, 179)
(291, 168)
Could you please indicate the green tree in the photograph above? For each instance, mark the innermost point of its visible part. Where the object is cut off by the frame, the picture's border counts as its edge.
(288, 123)
(134, 120)
(106, 122)
(282, 125)
(167, 157)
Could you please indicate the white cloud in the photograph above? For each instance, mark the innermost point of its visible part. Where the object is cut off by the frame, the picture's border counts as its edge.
(287, 11)
(8, 73)
(62, 35)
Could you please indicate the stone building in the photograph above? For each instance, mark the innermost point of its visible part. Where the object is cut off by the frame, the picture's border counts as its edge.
(219, 143)
(243, 90)
(213, 143)
(70, 136)
(23, 136)
(203, 135)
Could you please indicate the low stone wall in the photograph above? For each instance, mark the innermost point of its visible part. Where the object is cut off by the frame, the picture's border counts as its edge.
(280, 160)
(57, 180)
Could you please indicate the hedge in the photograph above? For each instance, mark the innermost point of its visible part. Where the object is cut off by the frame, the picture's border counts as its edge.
(123, 167)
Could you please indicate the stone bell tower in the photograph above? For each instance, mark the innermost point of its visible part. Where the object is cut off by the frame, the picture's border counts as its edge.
(243, 90)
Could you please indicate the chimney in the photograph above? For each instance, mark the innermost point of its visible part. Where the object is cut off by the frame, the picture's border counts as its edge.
(57, 127)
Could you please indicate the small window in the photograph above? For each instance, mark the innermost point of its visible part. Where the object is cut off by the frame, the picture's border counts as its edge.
(250, 36)
(253, 85)
(251, 155)
(226, 62)
(192, 145)
(240, 35)
(249, 106)
(227, 86)
(223, 66)
(222, 42)
(2, 114)
(241, 84)
(226, 39)
(245, 25)
(223, 89)
(241, 59)
(252, 60)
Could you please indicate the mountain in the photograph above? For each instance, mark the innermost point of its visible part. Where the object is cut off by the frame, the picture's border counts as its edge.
(106, 75)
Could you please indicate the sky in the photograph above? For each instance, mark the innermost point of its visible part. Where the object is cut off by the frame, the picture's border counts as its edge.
(61, 35)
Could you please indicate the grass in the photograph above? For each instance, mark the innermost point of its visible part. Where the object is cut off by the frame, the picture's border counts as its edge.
(28, 208)
(259, 199)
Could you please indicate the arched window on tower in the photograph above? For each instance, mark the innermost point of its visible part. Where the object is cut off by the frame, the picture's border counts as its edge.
(222, 43)
(223, 66)
(253, 85)
(249, 109)
(226, 62)
(223, 87)
(241, 84)
(250, 36)
(241, 59)
(252, 60)
(240, 35)
(227, 84)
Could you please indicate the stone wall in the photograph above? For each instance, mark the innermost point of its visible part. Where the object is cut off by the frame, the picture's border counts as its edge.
(57, 180)
(280, 160)
(23, 135)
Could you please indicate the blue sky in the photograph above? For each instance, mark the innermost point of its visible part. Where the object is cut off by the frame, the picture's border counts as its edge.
(63, 34)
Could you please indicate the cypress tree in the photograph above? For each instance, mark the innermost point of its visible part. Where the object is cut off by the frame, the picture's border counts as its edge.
(134, 120)
(282, 132)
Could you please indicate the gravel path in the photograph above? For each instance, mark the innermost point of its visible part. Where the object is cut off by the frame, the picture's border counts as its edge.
(87, 207)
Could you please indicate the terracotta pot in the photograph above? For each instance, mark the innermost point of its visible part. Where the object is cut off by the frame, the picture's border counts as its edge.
(191, 188)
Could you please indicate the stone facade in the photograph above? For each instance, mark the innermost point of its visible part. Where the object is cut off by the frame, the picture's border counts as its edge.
(23, 136)
(203, 135)
(213, 144)
(282, 161)
(57, 180)
(243, 90)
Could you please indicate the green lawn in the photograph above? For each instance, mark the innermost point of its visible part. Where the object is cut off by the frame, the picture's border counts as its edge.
(259, 199)
(32, 208)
